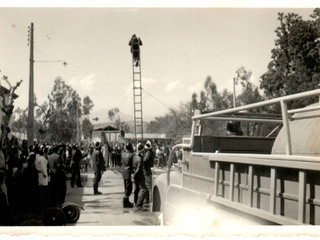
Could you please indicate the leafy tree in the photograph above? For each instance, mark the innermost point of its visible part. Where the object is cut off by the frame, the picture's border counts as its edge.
(250, 94)
(87, 105)
(295, 64)
(114, 115)
(65, 105)
(87, 128)
(20, 120)
(175, 123)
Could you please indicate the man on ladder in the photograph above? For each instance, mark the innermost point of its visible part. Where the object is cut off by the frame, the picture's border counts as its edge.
(135, 44)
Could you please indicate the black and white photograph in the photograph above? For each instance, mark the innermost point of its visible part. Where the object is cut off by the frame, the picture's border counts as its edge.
(160, 119)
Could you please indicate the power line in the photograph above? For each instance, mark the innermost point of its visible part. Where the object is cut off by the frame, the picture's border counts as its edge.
(157, 99)
(125, 99)
(13, 24)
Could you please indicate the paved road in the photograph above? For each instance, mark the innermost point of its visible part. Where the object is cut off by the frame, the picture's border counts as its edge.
(106, 209)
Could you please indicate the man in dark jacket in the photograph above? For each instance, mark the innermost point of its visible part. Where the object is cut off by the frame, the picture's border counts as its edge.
(148, 162)
(75, 166)
(98, 167)
(140, 192)
(126, 162)
(4, 207)
(135, 44)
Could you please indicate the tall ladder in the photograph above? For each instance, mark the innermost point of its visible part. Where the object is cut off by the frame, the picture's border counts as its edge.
(137, 100)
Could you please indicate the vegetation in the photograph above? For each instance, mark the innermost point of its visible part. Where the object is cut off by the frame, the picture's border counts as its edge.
(295, 64)
(56, 120)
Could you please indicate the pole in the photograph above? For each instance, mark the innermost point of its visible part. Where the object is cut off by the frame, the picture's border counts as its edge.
(234, 92)
(77, 124)
(31, 93)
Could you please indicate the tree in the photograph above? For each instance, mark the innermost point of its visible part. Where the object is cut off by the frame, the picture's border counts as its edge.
(65, 103)
(295, 64)
(175, 123)
(114, 115)
(87, 128)
(250, 94)
(7, 108)
(87, 105)
(20, 119)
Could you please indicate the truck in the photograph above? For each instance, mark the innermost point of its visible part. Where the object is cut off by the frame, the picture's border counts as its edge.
(240, 179)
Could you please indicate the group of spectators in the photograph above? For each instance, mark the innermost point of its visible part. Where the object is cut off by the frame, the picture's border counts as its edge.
(34, 178)
(136, 169)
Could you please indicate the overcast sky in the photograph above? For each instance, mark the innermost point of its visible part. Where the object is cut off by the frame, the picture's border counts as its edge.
(181, 47)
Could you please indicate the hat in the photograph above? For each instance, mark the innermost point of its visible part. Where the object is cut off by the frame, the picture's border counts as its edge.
(129, 147)
(140, 147)
(148, 145)
(97, 145)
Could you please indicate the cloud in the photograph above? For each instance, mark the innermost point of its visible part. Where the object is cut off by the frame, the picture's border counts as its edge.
(86, 82)
(148, 82)
(196, 88)
(175, 85)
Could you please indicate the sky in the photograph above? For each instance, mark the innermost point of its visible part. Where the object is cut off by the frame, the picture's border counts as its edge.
(182, 46)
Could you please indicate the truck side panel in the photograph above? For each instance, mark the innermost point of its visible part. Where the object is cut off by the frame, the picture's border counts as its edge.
(269, 189)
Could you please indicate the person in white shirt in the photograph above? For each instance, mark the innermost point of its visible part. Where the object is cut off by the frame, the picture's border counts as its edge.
(41, 164)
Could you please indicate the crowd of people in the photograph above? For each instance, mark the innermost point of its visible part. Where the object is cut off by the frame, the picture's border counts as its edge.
(32, 179)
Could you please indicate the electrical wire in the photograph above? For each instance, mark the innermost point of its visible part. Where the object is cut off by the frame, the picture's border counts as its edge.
(156, 99)
(13, 24)
(125, 99)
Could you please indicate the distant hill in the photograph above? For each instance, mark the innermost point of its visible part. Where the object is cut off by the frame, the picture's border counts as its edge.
(102, 115)
(104, 120)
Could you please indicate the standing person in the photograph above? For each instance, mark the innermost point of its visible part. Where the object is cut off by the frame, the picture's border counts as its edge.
(57, 177)
(148, 161)
(31, 183)
(42, 167)
(140, 192)
(159, 156)
(126, 161)
(98, 167)
(75, 166)
(4, 207)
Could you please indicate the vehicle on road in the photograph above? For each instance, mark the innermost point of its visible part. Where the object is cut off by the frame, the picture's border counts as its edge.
(226, 179)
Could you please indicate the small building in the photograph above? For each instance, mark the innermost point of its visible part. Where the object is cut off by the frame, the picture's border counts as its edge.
(106, 133)
(155, 138)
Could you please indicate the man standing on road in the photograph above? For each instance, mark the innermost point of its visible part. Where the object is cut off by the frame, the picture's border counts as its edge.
(75, 166)
(140, 192)
(98, 167)
(148, 161)
(126, 162)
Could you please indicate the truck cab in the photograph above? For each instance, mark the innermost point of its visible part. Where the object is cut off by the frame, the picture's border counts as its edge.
(225, 179)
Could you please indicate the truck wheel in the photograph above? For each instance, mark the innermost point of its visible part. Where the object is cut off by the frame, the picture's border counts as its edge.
(71, 211)
(54, 217)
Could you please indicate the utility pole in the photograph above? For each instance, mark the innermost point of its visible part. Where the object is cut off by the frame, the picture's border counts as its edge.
(31, 92)
(234, 92)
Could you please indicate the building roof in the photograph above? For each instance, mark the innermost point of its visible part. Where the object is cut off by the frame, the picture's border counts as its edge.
(147, 136)
(105, 126)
